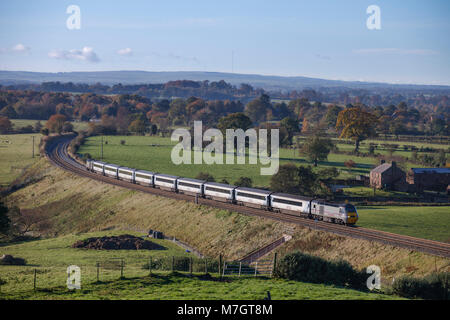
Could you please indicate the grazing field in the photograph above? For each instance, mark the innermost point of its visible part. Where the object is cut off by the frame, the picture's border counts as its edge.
(154, 153)
(422, 222)
(52, 257)
(16, 154)
(20, 123)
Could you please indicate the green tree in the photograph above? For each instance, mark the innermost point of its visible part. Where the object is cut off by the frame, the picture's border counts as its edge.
(307, 180)
(244, 182)
(286, 180)
(234, 121)
(291, 127)
(5, 222)
(205, 176)
(356, 124)
(316, 148)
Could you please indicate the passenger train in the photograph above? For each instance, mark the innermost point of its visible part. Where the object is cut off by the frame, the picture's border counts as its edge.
(306, 207)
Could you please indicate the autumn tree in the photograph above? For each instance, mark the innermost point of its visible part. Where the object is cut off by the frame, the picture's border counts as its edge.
(356, 124)
(257, 110)
(138, 126)
(5, 125)
(317, 148)
(55, 123)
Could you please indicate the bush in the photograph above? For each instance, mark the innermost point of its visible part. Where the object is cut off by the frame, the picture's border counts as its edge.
(350, 164)
(307, 268)
(206, 177)
(182, 264)
(434, 287)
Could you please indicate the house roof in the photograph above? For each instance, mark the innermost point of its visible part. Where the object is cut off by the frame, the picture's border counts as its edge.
(382, 168)
(431, 170)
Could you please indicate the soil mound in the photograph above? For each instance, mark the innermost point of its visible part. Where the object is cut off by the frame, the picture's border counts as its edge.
(12, 261)
(123, 242)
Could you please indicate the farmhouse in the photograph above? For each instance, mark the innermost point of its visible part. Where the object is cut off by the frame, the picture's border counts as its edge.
(386, 175)
(429, 178)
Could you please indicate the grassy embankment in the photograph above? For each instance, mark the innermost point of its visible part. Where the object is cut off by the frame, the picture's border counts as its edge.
(79, 205)
(51, 258)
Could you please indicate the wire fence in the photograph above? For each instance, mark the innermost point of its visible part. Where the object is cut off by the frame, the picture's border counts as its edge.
(26, 278)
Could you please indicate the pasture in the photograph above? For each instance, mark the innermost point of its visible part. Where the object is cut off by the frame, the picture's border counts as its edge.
(16, 152)
(422, 222)
(20, 123)
(154, 154)
(52, 257)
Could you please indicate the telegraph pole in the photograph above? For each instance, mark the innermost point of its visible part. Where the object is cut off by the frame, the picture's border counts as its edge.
(33, 146)
(102, 148)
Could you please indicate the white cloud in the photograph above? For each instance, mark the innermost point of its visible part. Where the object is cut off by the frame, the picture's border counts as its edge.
(85, 54)
(18, 48)
(125, 52)
(421, 52)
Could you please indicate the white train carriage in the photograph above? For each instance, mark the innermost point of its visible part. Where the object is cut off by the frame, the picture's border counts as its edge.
(253, 197)
(219, 191)
(126, 174)
(98, 167)
(145, 178)
(89, 164)
(190, 186)
(112, 170)
(290, 204)
(165, 182)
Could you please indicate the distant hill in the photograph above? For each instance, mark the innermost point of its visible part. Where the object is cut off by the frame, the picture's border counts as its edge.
(140, 77)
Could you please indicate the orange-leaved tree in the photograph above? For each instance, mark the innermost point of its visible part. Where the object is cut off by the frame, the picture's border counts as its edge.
(356, 124)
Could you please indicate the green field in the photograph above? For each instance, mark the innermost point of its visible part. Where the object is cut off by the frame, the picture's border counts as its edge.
(423, 222)
(20, 123)
(154, 153)
(51, 258)
(16, 154)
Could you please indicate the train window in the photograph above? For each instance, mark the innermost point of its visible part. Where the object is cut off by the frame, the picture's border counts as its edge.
(217, 190)
(252, 196)
(165, 180)
(142, 176)
(125, 173)
(190, 185)
(290, 202)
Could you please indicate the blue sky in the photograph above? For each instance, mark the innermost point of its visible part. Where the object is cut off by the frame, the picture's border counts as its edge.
(325, 39)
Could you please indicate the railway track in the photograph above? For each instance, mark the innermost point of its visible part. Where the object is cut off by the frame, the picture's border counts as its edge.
(58, 155)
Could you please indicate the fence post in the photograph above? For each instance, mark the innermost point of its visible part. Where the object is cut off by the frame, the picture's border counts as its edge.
(191, 262)
(34, 280)
(240, 267)
(206, 266)
(150, 266)
(223, 269)
(256, 268)
(274, 267)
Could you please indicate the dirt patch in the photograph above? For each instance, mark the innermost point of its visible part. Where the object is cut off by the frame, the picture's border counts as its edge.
(12, 261)
(123, 242)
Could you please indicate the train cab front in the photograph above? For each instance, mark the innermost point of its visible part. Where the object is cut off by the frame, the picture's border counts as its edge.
(352, 214)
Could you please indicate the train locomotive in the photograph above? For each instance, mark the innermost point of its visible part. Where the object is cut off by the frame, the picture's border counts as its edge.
(312, 208)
